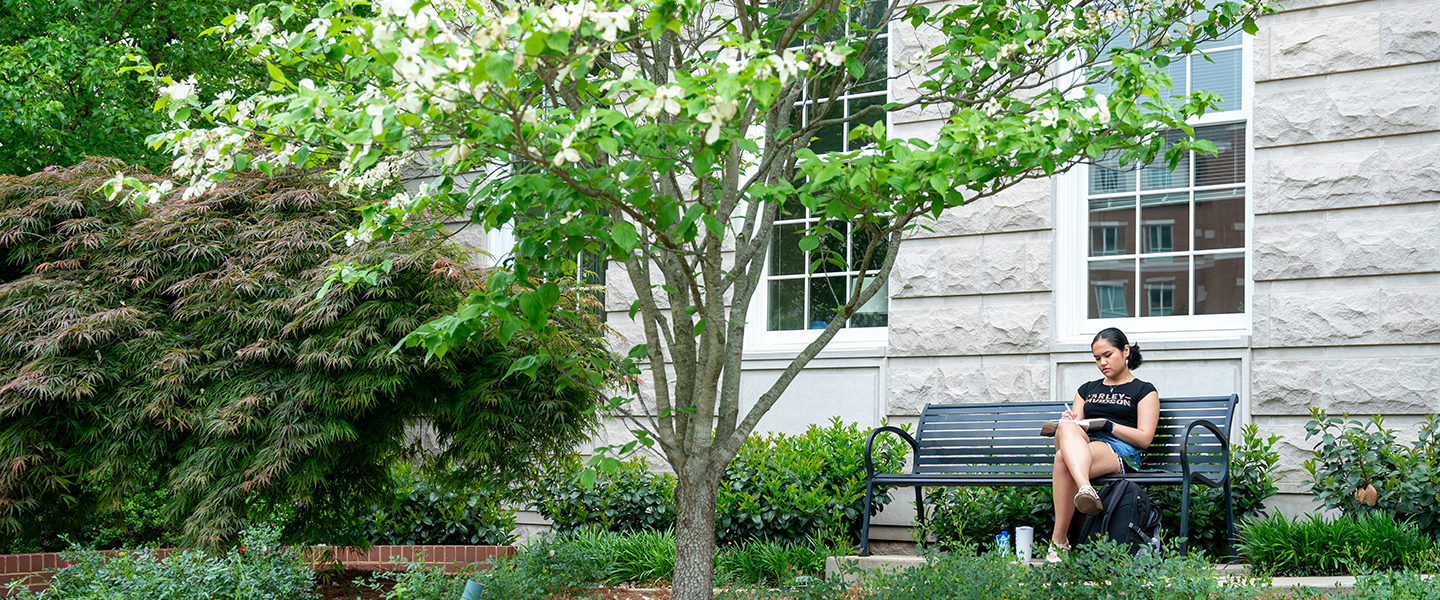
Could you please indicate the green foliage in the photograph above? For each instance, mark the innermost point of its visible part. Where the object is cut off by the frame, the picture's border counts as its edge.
(1252, 482)
(1314, 545)
(1098, 571)
(1106, 570)
(784, 488)
(1396, 585)
(628, 498)
(1351, 454)
(416, 580)
(428, 512)
(62, 95)
(635, 558)
(257, 569)
(772, 563)
(793, 488)
(961, 517)
(193, 342)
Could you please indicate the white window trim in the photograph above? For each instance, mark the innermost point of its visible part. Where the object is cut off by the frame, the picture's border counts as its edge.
(1071, 248)
(758, 336)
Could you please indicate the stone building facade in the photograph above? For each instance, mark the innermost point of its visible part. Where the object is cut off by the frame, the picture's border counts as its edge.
(1312, 279)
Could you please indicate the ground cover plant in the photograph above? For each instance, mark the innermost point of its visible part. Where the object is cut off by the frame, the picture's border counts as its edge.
(191, 344)
(1344, 545)
(667, 135)
(255, 569)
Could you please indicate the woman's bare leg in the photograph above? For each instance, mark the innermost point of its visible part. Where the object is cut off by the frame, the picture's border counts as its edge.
(1071, 444)
(1064, 496)
(1100, 459)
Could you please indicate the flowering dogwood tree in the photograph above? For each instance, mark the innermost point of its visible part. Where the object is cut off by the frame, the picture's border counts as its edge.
(668, 135)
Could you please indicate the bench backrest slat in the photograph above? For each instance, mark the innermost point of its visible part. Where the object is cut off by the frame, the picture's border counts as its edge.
(1005, 438)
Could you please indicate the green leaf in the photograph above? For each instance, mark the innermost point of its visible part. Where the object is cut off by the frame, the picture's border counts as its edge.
(278, 75)
(624, 235)
(499, 66)
(809, 242)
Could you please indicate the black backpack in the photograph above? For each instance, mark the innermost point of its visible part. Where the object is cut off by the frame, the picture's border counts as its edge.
(1129, 519)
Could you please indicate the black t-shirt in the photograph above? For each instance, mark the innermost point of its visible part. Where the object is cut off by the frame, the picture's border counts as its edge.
(1117, 403)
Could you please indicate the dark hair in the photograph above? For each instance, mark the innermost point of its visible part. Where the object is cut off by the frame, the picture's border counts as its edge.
(1119, 341)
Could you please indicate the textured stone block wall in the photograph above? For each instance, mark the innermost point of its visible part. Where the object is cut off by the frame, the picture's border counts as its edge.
(1346, 238)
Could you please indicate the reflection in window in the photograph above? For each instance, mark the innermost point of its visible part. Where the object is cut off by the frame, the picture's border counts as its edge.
(1193, 219)
(804, 298)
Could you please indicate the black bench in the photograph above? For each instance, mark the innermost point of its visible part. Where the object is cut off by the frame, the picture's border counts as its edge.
(1001, 445)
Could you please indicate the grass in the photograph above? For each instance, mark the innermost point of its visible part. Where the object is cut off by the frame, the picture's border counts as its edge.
(1313, 545)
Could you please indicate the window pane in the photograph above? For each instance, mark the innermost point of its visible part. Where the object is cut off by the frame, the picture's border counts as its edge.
(1221, 76)
(1165, 286)
(831, 138)
(876, 312)
(1107, 178)
(1158, 176)
(874, 117)
(870, 15)
(1162, 216)
(1112, 289)
(1110, 226)
(786, 258)
(859, 240)
(1220, 219)
(831, 253)
(1228, 163)
(1219, 284)
(1176, 70)
(827, 294)
(874, 79)
(787, 304)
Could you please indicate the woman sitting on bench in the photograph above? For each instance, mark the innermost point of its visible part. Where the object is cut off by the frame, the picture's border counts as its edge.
(1130, 408)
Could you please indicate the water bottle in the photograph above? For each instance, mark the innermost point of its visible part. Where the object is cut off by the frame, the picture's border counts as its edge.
(1003, 541)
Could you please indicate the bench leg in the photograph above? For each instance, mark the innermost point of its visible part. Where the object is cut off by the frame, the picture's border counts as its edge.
(865, 519)
(1229, 524)
(1184, 517)
(920, 514)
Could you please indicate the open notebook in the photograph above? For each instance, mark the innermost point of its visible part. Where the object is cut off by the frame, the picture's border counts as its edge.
(1047, 428)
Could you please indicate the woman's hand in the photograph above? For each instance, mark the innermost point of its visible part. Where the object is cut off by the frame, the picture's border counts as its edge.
(1069, 415)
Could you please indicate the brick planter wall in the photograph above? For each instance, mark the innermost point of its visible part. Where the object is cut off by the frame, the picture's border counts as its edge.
(37, 568)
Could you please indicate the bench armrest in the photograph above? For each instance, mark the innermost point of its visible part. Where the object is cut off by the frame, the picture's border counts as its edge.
(1185, 448)
(870, 447)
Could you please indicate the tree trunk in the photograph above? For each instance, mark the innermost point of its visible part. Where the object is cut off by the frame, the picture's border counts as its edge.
(695, 491)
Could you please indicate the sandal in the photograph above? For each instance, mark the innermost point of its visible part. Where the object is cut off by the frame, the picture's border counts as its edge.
(1053, 556)
(1088, 502)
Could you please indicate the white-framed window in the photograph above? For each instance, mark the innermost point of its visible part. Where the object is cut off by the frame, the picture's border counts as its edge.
(794, 301)
(1158, 252)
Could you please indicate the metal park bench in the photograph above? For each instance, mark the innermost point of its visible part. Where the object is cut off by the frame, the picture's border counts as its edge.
(1001, 445)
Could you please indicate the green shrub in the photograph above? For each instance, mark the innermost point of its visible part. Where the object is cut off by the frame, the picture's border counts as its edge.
(429, 512)
(258, 569)
(1314, 545)
(416, 580)
(1352, 454)
(792, 488)
(1107, 570)
(770, 563)
(632, 498)
(1252, 482)
(972, 516)
(784, 488)
(1395, 585)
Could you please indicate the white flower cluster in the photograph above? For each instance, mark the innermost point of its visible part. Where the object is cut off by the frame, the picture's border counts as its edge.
(382, 173)
(204, 154)
(179, 91)
(568, 154)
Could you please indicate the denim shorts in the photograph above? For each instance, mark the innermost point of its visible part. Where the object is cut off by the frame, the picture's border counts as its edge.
(1122, 449)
